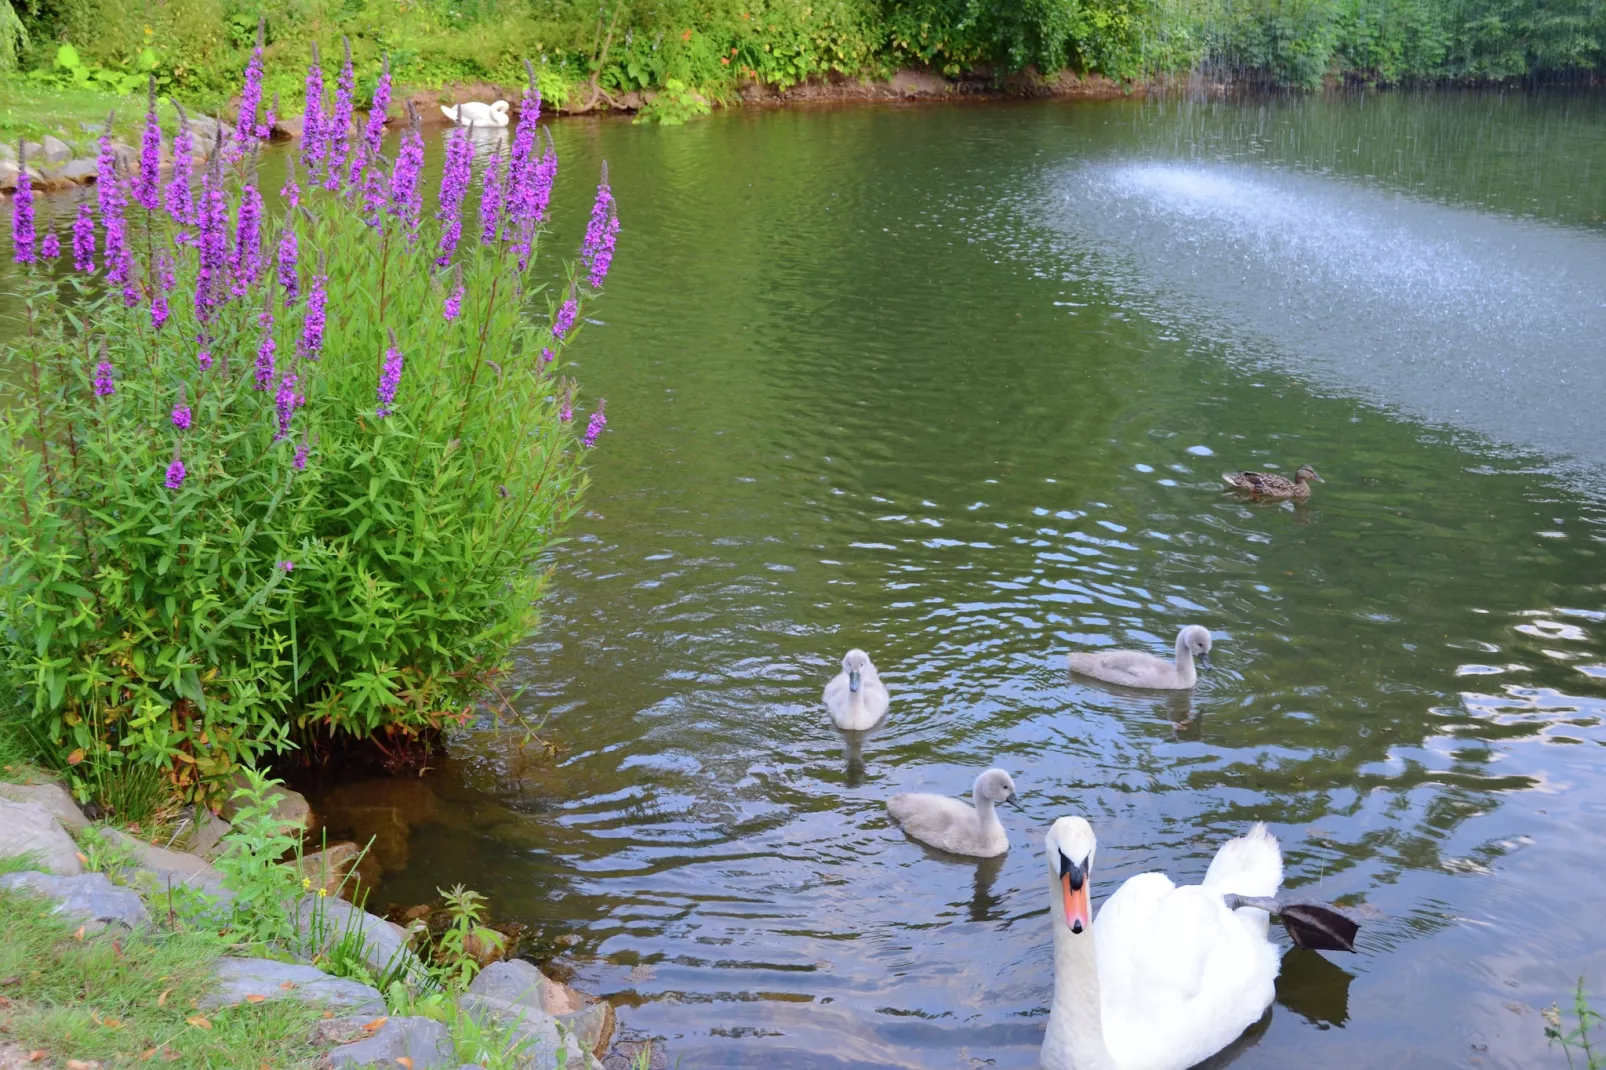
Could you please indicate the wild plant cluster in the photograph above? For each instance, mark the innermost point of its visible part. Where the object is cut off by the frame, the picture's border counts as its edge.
(287, 474)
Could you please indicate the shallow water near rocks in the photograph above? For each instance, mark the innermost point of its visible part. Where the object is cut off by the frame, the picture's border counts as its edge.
(955, 385)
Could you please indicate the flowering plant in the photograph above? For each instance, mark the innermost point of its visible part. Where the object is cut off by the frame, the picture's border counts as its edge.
(280, 478)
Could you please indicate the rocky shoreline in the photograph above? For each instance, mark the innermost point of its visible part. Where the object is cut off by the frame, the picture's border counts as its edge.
(540, 1016)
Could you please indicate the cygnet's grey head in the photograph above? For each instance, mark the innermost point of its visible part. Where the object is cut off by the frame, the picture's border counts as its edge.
(1070, 846)
(995, 786)
(856, 663)
(1195, 638)
(1306, 474)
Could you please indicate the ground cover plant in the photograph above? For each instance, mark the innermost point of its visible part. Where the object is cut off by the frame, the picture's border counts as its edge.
(285, 479)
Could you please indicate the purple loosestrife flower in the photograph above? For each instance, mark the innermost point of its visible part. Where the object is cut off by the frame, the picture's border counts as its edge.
(125, 271)
(165, 282)
(178, 198)
(159, 310)
(299, 462)
(374, 133)
(288, 257)
(312, 325)
(265, 361)
(50, 248)
(265, 127)
(566, 409)
(288, 566)
(491, 200)
(245, 127)
(291, 190)
(109, 195)
(246, 262)
(455, 179)
(105, 377)
(83, 238)
(594, 427)
(285, 402)
(406, 191)
(203, 358)
(213, 241)
(601, 233)
(181, 412)
(563, 322)
(547, 357)
(373, 193)
(175, 473)
(147, 192)
(522, 157)
(532, 196)
(454, 300)
(337, 131)
(22, 216)
(312, 123)
(389, 378)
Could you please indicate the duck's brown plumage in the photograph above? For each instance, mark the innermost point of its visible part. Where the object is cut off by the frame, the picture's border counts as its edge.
(1268, 485)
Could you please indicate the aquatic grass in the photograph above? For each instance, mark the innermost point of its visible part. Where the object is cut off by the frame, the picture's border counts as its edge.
(296, 504)
(1581, 1038)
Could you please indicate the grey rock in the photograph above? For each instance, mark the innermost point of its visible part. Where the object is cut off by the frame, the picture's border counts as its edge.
(183, 868)
(8, 175)
(519, 982)
(81, 171)
(539, 1035)
(88, 896)
(324, 921)
(238, 979)
(52, 797)
(291, 807)
(422, 1040)
(127, 157)
(206, 834)
(471, 1066)
(8, 152)
(592, 1027)
(33, 152)
(56, 150)
(29, 828)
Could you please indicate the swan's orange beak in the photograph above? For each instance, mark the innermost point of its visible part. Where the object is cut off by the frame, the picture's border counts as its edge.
(1073, 886)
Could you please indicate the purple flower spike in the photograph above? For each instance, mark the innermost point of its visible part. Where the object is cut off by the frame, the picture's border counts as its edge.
(563, 322)
(312, 326)
(288, 566)
(491, 200)
(547, 357)
(22, 236)
(181, 414)
(265, 127)
(291, 190)
(389, 379)
(454, 300)
(147, 192)
(312, 135)
(566, 409)
(288, 257)
(455, 179)
(601, 234)
(178, 198)
(203, 359)
(594, 427)
(105, 379)
(125, 271)
(175, 474)
(83, 238)
(299, 462)
(374, 134)
(245, 263)
(337, 131)
(159, 310)
(406, 191)
(285, 402)
(246, 126)
(213, 241)
(265, 361)
(50, 248)
(109, 195)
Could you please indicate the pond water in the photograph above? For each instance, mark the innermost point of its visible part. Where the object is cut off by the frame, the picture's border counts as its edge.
(955, 385)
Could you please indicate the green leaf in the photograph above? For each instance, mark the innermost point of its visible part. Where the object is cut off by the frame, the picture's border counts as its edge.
(67, 57)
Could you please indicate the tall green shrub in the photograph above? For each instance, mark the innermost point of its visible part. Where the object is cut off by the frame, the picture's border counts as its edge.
(275, 479)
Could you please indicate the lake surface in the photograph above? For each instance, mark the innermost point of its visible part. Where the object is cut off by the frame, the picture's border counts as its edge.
(956, 385)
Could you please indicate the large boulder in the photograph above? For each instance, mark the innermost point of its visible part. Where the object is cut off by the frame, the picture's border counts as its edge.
(328, 869)
(424, 1042)
(237, 980)
(82, 172)
(519, 982)
(56, 150)
(52, 797)
(87, 896)
(290, 807)
(325, 921)
(27, 828)
(539, 1035)
(175, 866)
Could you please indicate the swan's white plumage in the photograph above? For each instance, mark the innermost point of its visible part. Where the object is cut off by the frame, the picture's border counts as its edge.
(477, 113)
(856, 711)
(1137, 668)
(1178, 976)
(950, 825)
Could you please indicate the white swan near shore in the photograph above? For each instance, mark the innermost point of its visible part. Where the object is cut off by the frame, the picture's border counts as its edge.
(1170, 975)
(476, 113)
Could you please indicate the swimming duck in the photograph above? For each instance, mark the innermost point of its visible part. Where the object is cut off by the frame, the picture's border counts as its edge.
(1137, 668)
(1269, 485)
(856, 696)
(949, 825)
(475, 113)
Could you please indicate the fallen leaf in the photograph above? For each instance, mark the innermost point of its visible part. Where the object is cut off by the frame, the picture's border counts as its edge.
(161, 1000)
(35, 1056)
(328, 1014)
(112, 1023)
(404, 1061)
(287, 985)
(117, 948)
(199, 1022)
(79, 935)
(76, 1064)
(375, 1024)
(83, 859)
(76, 756)
(4, 1002)
(147, 1055)
(254, 998)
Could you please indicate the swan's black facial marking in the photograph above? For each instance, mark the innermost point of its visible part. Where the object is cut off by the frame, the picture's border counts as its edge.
(1077, 874)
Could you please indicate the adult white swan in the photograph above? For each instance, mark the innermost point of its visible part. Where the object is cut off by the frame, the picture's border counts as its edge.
(1171, 974)
(476, 113)
(1137, 668)
(856, 696)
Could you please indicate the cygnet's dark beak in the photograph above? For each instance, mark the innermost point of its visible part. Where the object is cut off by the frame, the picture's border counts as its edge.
(1014, 800)
(1204, 660)
(853, 680)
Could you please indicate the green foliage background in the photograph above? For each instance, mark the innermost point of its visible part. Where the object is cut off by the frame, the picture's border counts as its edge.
(716, 45)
